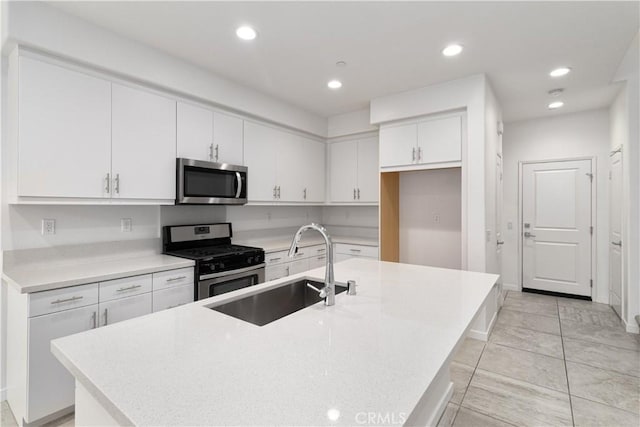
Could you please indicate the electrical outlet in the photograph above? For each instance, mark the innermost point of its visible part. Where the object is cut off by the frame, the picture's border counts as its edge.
(48, 226)
(125, 225)
(436, 218)
(509, 225)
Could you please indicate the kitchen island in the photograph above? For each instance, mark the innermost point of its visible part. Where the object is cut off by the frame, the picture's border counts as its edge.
(379, 357)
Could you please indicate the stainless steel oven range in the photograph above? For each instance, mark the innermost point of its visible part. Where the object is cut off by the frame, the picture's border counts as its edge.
(220, 266)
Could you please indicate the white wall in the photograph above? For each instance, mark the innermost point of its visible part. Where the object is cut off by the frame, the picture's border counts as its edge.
(625, 132)
(467, 93)
(350, 123)
(493, 146)
(39, 25)
(582, 134)
(425, 239)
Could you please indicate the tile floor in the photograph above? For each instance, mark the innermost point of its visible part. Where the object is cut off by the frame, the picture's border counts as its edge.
(549, 362)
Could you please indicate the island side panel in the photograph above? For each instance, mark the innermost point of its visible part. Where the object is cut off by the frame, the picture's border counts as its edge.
(482, 324)
(434, 401)
(89, 412)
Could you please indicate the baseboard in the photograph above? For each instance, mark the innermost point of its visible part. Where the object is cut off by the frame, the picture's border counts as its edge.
(510, 287)
(483, 335)
(632, 327)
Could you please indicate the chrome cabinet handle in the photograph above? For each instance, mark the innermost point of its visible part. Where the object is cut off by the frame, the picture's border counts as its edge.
(117, 184)
(274, 259)
(239, 181)
(211, 152)
(358, 194)
(500, 242)
(130, 288)
(304, 194)
(354, 194)
(413, 155)
(321, 250)
(173, 279)
(107, 183)
(217, 152)
(94, 320)
(106, 316)
(356, 250)
(275, 189)
(419, 154)
(288, 271)
(322, 257)
(619, 243)
(278, 192)
(60, 301)
(527, 234)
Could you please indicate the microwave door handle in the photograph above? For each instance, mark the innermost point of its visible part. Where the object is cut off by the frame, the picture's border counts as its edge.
(239, 180)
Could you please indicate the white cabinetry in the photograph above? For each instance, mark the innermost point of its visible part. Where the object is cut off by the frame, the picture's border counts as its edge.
(343, 251)
(283, 167)
(38, 385)
(203, 134)
(278, 264)
(143, 144)
(64, 131)
(354, 171)
(433, 142)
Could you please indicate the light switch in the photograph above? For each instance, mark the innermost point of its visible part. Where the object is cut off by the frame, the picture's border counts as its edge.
(509, 225)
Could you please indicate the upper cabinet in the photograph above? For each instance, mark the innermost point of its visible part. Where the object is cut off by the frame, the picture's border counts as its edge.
(283, 167)
(203, 134)
(433, 142)
(143, 144)
(81, 138)
(64, 130)
(354, 171)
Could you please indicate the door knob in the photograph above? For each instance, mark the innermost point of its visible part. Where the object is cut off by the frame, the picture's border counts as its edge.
(527, 234)
(618, 243)
(500, 242)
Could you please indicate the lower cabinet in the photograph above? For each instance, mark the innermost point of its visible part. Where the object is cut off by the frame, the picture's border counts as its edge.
(38, 386)
(343, 251)
(50, 386)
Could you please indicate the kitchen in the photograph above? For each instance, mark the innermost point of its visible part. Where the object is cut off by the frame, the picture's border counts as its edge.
(363, 164)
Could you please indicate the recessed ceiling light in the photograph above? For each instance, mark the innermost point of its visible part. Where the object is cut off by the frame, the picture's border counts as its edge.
(559, 72)
(556, 92)
(341, 64)
(452, 50)
(334, 84)
(556, 104)
(246, 33)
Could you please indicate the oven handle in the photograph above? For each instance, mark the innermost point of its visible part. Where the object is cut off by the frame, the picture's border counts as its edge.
(239, 179)
(232, 272)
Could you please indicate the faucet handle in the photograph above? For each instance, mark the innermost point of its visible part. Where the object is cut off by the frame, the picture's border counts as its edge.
(351, 287)
(322, 292)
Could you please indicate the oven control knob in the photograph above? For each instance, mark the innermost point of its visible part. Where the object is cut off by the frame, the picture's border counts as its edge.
(250, 260)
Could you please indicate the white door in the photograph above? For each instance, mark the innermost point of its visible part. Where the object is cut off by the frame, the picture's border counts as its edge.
(556, 221)
(143, 145)
(440, 140)
(51, 387)
(398, 145)
(344, 171)
(64, 130)
(615, 232)
(368, 170)
(260, 147)
(194, 132)
(227, 139)
(124, 308)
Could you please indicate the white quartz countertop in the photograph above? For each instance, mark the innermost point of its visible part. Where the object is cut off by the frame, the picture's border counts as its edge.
(281, 243)
(376, 351)
(42, 276)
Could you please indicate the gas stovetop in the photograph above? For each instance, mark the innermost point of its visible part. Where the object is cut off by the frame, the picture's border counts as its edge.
(207, 252)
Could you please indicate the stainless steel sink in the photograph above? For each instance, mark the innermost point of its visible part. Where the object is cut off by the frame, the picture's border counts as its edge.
(268, 306)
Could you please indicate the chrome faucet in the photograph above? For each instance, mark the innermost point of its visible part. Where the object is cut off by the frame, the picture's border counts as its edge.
(329, 290)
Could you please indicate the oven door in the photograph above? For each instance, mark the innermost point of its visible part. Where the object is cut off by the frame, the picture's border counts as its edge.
(208, 183)
(228, 281)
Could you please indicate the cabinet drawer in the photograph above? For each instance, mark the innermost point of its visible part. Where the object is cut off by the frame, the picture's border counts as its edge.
(317, 261)
(357, 250)
(299, 266)
(62, 299)
(173, 278)
(277, 271)
(316, 250)
(279, 257)
(120, 288)
(172, 297)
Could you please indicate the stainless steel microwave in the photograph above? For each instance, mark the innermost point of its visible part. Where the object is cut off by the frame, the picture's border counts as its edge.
(209, 183)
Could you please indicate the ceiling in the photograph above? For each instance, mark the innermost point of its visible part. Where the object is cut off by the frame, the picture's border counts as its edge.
(389, 47)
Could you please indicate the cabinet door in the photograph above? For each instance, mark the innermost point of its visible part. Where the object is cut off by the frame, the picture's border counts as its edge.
(143, 144)
(291, 167)
(439, 140)
(398, 145)
(273, 272)
(343, 158)
(227, 139)
(64, 132)
(172, 297)
(314, 174)
(124, 308)
(317, 261)
(51, 387)
(299, 266)
(368, 170)
(260, 147)
(194, 132)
